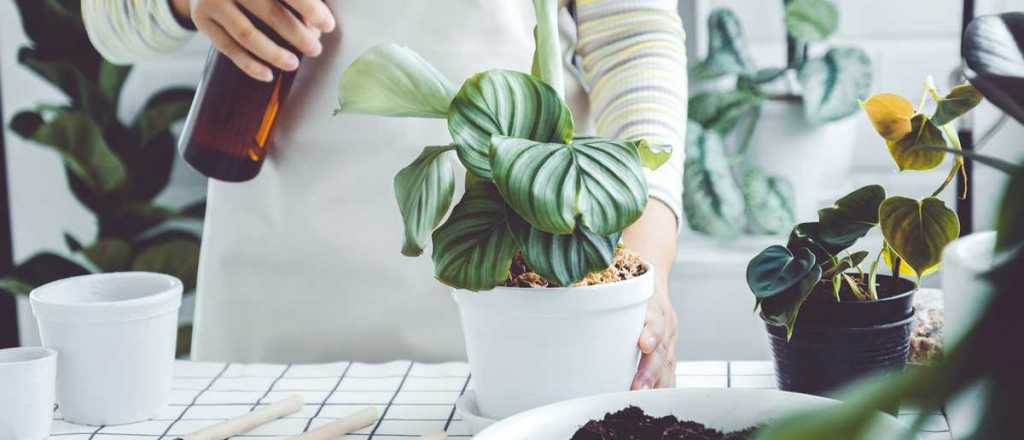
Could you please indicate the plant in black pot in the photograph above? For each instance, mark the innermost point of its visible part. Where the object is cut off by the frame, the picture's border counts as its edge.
(830, 320)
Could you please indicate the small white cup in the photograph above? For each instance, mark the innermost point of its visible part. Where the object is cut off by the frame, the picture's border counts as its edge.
(115, 333)
(27, 378)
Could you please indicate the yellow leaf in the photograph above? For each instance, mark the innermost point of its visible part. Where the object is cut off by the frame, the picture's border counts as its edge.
(905, 268)
(890, 114)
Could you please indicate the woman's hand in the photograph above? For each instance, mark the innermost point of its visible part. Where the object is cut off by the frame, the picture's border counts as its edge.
(233, 33)
(657, 367)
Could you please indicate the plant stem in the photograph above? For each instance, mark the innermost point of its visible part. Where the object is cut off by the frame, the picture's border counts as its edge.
(547, 58)
(958, 160)
(873, 274)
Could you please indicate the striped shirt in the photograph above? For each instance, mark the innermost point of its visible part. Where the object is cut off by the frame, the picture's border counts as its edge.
(631, 53)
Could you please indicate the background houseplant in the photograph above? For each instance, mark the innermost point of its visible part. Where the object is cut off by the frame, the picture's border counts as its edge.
(779, 120)
(993, 55)
(535, 190)
(114, 169)
(855, 321)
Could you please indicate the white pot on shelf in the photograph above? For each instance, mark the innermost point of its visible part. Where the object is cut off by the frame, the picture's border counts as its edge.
(529, 347)
(816, 159)
(965, 293)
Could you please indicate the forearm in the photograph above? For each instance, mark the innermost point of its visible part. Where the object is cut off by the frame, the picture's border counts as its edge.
(653, 238)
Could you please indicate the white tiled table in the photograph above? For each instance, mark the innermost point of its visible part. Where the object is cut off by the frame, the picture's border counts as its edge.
(414, 398)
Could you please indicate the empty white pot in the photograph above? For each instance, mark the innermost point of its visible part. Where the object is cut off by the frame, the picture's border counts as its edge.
(27, 377)
(528, 347)
(115, 333)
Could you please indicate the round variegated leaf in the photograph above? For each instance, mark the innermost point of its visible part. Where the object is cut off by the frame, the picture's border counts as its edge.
(727, 46)
(564, 259)
(507, 103)
(769, 202)
(810, 20)
(712, 201)
(918, 230)
(473, 249)
(424, 192)
(549, 185)
(833, 84)
(776, 269)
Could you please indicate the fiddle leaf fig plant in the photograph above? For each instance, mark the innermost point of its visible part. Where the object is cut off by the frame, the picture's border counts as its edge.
(914, 231)
(533, 187)
(828, 88)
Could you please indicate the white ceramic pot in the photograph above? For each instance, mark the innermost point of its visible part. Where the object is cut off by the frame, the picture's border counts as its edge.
(965, 294)
(115, 333)
(816, 159)
(530, 347)
(27, 378)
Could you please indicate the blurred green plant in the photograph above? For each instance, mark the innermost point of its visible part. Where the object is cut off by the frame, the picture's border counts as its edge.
(989, 352)
(727, 194)
(114, 169)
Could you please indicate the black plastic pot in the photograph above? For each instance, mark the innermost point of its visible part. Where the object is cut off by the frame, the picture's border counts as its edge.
(835, 343)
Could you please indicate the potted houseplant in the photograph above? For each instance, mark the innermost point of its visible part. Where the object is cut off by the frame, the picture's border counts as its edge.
(829, 319)
(776, 119)
(542, 207)
(114, 169)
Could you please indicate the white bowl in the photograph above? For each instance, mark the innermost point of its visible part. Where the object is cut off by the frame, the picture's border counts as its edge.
(725, 409)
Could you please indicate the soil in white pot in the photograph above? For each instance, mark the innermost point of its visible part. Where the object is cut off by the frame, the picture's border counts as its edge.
(632, 423)
(624, 266)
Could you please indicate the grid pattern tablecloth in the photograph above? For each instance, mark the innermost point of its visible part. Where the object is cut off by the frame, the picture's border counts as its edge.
(413, 398)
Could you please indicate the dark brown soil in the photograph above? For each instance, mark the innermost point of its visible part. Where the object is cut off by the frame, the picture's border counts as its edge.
(626, 265)
(632, 424)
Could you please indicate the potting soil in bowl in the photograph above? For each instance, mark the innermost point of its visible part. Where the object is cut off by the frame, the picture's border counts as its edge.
(631, 423)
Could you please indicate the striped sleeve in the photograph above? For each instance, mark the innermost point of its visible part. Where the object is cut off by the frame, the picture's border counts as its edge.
(633, 57)
(129, 31)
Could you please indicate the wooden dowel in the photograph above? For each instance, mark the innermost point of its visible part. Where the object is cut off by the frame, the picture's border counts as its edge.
(340, 427)
(248, 422)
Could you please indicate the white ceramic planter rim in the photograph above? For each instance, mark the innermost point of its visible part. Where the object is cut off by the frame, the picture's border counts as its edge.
(24, 355)
(560, 301)
(150, 294)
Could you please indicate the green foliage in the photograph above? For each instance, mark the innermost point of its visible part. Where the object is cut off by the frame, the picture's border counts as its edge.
(424, 191)
(712, 201)
(958, 101)
(531, 187)
(975, 359)
(114, 169)
(392, 80)
(918, 230)
(810, 20)
(828, 88)
(777, 269)
(907, 152)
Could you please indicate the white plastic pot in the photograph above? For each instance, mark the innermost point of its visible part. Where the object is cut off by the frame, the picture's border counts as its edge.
(115, 333)
(530, 347)
(27, 377)
(816, 159)
(965, 293)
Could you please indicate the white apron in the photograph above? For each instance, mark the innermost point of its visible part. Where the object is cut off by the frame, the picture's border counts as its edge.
(302, 263)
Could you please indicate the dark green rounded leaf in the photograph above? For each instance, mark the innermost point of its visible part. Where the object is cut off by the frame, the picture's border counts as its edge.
(564, 259)
(776, 269)
(85, 151)
(994, 53)
(549, 185)
(907, 152)
(834, 83)
(424, 192)
(918, 230)
(506, 103)
(40, 269)
(961, 99)
(109, 254)
(173, 253)
(783, 309)
(473, 249)
(712, 201)
(849, 218)
(810, 20)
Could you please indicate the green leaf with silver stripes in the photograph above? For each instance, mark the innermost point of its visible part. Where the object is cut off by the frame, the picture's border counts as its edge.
(424, 192)
(507, 103)
(550, 185)
(833, 84)
(564, 259)
(473, 249)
